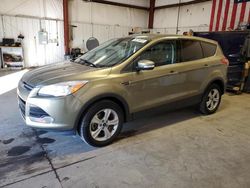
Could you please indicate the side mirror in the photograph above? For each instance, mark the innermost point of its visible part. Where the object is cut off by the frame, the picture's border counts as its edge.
(145, 65)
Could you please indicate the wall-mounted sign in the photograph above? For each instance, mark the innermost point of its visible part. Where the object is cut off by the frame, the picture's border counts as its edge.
(43, 37)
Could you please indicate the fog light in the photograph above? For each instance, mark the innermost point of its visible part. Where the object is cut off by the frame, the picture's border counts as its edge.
(45, 119)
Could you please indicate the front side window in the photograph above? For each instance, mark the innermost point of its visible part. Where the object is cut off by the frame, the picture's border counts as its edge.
(112, 52)
(190, 50)
(163, 53)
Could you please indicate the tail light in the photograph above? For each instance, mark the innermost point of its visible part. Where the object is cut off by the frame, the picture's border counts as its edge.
(225, 61)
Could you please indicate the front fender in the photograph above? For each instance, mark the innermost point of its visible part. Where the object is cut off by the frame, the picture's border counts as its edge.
(97, 92)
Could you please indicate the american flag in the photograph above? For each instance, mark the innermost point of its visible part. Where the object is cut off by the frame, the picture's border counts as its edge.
(228, 14)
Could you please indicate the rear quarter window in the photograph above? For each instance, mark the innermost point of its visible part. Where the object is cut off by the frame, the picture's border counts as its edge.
(209, 49)
(190, 50)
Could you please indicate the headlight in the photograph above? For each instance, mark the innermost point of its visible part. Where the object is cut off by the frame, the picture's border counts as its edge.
(61, 89)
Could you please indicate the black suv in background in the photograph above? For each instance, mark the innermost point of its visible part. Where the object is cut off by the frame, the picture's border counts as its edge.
(232, 43)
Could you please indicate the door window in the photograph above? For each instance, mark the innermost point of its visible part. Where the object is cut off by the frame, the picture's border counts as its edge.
(208, 49)
(191, 50)
(163, 53)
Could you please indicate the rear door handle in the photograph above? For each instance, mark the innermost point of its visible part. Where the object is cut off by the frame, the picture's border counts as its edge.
(206, 65)
(173, 72)
(126, 83)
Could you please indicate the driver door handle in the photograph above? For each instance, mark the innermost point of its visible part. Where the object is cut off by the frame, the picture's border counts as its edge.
(173, 72)
(126, 83)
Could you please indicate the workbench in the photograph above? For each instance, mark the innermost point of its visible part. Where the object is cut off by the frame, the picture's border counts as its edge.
(12, 57)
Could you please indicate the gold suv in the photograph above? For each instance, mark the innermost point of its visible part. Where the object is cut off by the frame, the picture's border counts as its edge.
(107, 86)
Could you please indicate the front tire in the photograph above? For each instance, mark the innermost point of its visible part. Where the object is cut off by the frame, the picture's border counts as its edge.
(211, 100)
(102, 123)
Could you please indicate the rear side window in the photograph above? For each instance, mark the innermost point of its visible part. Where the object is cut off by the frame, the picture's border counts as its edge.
(208, 49)
(191, 50)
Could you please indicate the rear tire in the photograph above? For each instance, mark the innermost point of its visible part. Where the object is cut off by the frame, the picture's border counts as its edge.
(102, 123)
(211, 100)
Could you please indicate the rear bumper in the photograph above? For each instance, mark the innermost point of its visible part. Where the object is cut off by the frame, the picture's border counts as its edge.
(58, 113)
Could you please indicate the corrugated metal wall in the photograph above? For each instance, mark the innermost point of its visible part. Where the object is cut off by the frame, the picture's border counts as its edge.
(1, 27)
(35, 54)
(84, 31)
(92, 19)
(181, 29)
(107, 21)
(169, 2)
(195, 17)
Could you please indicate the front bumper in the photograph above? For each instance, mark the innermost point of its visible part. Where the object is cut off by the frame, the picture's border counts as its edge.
(56, 113)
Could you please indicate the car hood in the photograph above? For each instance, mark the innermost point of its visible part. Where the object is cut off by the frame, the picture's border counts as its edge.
(62, 72)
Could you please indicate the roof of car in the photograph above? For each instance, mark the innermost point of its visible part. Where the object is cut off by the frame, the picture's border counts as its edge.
(160, 36)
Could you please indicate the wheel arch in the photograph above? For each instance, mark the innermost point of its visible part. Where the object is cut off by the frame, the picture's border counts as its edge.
(108, 96)
(219, 82)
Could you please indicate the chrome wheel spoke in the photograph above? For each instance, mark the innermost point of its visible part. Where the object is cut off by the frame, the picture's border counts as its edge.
(107, 133)
(216, 99)
(96, 120)
(114, 121)
(209, 102)
(97, 132)
(212, 105)
(106, 115)
(215, 93)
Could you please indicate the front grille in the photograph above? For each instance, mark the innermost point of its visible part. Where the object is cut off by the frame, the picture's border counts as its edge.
(27, 86)
(37, 112)
(22, 105)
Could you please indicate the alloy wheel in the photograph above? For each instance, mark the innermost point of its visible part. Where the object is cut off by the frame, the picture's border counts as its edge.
(213, 99)
(104, 124)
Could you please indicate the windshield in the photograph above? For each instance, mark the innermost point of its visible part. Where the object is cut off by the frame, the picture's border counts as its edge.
(112, 52)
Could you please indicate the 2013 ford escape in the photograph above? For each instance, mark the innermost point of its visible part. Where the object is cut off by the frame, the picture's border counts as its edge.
(102, 89)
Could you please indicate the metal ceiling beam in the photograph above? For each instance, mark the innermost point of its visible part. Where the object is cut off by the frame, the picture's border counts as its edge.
(66, 26)
(31, 17)
(118, 4)
(151, 14)
(181, 4)
(151, 9)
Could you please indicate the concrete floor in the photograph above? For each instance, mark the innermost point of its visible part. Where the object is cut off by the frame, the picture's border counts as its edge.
(175, 149)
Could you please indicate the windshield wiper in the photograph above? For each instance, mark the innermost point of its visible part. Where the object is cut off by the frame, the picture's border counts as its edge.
(88, 62)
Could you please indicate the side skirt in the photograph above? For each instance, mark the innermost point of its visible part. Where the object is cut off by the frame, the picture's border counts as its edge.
(191, 101)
